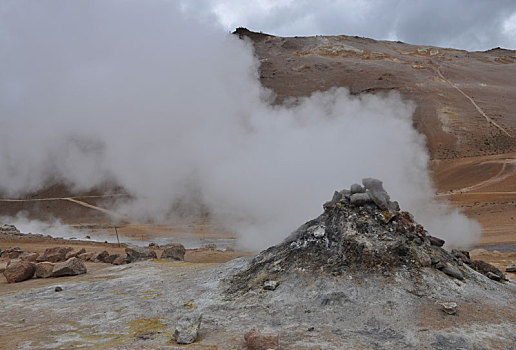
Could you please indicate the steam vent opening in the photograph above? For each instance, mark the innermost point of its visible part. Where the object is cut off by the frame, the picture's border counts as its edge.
(360, 231)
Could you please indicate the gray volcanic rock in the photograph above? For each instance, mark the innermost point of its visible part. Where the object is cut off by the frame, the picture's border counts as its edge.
(353, 235)
(187, 328)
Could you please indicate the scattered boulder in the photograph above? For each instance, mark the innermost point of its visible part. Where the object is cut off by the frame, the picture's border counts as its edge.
(261, 341)
(55, 254)
(493, 276)
(74, 253)
(119, 260)
(484, 267)
(174, 251)
(511, 268)
(12, 253)
(26, 256)
(99, 256)
(19, 271)
(210, 246)
(8, 229)
(461, 255)
(85, 256)
(44, 269)
(187, 328)
(58, 289)
(153, 245)
(110, 258)
(71, 267)
(449, 308)
(135, 253)
(435, 241)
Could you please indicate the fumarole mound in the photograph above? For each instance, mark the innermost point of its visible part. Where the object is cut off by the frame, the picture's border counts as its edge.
(361, 231)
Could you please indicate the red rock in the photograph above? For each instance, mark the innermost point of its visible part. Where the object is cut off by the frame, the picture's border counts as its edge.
(12, 253)
(44, 269)
(55, 254)
(74, 253)
(85, 256)
(261, 341)
(71, 267)
(19, 271)
(26, 256)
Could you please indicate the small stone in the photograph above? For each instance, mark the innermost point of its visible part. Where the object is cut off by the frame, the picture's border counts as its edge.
(356, 188)
(261, 341)
(449, 308)
(71, 267)
(58, 289)
(360, 199)
(187, 328)
(44, 269)
(435, 241)
(319, 232)
(19, 271)
(452, 271)
(173, 251)
(493, 276)
(270, 285)
(511, 268)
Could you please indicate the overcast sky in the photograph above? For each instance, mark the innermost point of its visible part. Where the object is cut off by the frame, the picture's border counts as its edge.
(464, 24)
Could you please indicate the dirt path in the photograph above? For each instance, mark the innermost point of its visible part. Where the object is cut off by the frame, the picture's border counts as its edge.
(489, 119)
(105, 211)
(500, 176)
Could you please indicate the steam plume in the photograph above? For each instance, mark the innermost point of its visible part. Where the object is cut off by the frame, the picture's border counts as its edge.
(172, 110)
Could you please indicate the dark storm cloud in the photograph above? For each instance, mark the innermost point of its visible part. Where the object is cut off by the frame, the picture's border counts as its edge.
(465, 24)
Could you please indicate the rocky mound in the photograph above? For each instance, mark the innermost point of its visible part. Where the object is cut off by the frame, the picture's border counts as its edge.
(361, 230)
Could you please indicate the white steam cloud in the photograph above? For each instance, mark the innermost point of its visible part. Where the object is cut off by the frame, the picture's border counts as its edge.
(172, 110)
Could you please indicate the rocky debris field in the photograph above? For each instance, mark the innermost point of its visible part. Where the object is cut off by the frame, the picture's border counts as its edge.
(66, 261)
(363, 275)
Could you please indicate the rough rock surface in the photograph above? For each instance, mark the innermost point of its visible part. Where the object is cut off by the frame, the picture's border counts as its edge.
(19, 271)
(100, 256)
(187, 328)
(173, 251)
(71, 267)
(55, 254)
(44, 269)
(353, 236)
(135, 253)
(12, 253)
